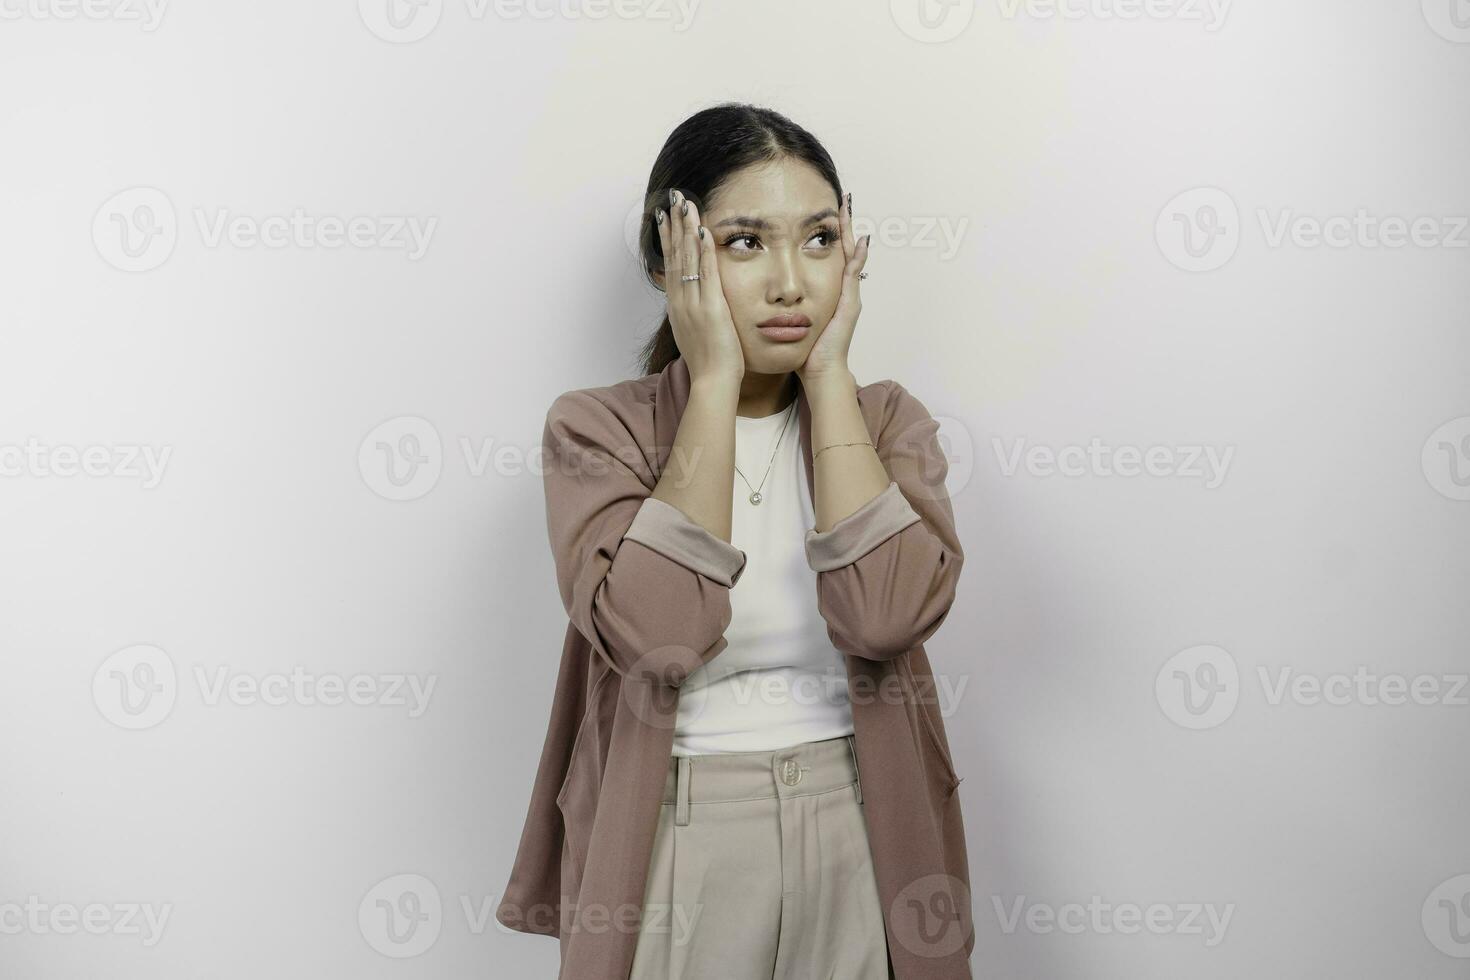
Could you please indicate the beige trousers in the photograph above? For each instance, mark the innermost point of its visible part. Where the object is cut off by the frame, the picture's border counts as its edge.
(761, 870)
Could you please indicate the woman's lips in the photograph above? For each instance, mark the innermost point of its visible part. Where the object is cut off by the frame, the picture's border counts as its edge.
(785, 328)
(784, 334)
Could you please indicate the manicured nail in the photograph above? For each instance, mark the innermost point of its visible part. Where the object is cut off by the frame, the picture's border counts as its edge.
(701, 232)
(671, 197)
(684, 208)
(867, 239)
(849, 204)
(658, 214)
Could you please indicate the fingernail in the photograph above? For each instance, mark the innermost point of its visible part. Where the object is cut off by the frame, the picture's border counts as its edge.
(849, 204)
(867, 240)
(671, 197)
(684, 208)
(701, 232)
(658, 214)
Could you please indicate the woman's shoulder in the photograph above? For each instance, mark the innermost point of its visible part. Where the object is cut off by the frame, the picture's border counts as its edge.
(623, 406)
(899, 404)
(629, 404)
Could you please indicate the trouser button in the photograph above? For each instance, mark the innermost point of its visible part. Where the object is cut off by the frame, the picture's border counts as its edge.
(790, 772)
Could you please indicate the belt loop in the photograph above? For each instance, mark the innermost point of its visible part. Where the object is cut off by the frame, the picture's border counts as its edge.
(852, 744)
(681, 792)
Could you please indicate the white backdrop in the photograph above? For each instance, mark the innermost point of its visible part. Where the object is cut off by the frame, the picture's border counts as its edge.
(288, 289)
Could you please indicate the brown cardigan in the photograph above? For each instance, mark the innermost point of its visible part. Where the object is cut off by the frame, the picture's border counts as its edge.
(647, 592)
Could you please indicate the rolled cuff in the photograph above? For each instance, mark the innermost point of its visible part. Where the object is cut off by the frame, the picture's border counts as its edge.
(664, 528)
(861, 531)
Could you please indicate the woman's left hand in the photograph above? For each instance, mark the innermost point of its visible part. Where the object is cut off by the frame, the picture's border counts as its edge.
(828, 356)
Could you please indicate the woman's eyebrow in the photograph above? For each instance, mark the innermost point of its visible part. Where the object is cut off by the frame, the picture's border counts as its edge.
(761, 223)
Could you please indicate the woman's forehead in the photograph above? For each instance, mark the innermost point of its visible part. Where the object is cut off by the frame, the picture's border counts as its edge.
(773, 195)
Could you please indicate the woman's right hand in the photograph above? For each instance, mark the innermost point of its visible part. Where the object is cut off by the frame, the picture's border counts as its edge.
(698, 313)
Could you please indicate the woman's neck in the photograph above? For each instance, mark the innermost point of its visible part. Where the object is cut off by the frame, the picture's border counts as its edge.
(763, 395)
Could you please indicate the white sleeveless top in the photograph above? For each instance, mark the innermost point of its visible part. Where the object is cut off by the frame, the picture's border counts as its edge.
(780, 680)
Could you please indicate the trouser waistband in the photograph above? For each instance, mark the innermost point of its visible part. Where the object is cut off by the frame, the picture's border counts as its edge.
(804, 769)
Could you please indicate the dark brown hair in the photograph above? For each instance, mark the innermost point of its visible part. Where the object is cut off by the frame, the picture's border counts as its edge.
(702, 153)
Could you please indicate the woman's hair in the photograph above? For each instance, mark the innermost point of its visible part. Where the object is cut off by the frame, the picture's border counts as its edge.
(697, 158)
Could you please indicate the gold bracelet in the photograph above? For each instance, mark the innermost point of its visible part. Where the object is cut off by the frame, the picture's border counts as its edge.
(836, 444)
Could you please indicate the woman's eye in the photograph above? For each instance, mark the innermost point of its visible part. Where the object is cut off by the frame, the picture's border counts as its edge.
(830, 235)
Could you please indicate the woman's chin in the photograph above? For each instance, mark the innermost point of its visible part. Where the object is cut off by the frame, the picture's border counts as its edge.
(769, 358)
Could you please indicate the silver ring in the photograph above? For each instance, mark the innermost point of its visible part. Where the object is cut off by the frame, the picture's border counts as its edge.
(862, 275)
(689, 278)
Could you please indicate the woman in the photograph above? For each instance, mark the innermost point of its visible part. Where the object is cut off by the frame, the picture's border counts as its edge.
(733, 532)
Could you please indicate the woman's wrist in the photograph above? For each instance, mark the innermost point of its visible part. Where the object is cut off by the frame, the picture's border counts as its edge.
(838, 381)
(715, 386)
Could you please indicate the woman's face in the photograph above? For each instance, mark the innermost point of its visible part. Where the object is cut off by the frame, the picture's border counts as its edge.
(779, 248)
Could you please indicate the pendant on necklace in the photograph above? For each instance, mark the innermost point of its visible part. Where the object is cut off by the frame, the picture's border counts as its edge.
(755, 497)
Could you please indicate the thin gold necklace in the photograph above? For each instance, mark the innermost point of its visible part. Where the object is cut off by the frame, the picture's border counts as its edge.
(755, 494)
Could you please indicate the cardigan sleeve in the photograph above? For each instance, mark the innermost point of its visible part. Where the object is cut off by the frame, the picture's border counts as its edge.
(887, 572)
(645, 584)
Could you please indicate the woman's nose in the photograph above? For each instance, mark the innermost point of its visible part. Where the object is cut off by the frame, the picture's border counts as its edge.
(785, 279)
